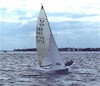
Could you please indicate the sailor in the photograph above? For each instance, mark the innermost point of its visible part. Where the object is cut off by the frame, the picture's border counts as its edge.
(69, 63)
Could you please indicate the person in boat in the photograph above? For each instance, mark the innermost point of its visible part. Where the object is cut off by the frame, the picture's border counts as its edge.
(69, 63)
(5, 51)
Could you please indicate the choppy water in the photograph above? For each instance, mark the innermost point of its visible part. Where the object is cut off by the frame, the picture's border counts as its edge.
(21, 69)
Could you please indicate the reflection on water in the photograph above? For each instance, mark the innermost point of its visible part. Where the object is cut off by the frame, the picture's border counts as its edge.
(21, 69)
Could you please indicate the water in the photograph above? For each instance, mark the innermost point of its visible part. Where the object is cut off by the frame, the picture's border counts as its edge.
(21, 69)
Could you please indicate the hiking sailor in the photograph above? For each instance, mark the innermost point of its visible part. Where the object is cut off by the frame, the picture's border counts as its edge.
(69, 63)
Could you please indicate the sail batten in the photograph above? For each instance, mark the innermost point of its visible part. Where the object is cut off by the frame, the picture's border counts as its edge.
(47, 51)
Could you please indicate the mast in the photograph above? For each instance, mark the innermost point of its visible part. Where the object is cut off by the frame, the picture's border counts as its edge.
(47, 50)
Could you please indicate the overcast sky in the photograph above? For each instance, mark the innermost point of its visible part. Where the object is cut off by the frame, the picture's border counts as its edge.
(74, 23)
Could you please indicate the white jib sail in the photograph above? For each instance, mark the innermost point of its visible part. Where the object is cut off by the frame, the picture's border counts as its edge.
(47, 50)
(57, 62)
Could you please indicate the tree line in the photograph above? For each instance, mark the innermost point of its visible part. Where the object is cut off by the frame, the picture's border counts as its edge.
(63, 49)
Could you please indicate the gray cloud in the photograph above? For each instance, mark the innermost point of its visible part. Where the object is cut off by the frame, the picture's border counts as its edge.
(3, 10)
(11, 28)
(72, 15)
(67, 33)
(15, 35)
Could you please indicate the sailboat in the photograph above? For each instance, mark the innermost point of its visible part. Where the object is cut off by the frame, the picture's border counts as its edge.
(47, 51)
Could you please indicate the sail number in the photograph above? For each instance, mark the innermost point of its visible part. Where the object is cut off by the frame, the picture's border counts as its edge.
(39, 31)
(40, 39)
(58, 63)
(39, 36)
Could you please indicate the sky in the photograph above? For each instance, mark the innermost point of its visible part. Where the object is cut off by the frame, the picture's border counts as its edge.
(74, 23)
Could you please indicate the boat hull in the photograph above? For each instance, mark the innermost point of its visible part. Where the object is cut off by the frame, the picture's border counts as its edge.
(63, 71)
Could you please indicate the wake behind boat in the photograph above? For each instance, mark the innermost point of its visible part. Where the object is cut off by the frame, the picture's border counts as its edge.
(47, 51)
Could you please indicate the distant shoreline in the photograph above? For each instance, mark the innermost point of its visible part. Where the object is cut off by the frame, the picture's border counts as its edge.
(60, 49)
(63, 49)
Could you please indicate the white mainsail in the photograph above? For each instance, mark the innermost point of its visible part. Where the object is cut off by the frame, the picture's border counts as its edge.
(47, 51)
(42, 38)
